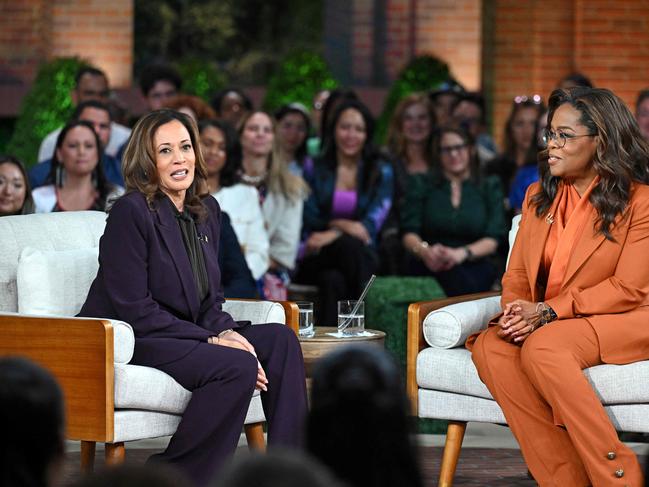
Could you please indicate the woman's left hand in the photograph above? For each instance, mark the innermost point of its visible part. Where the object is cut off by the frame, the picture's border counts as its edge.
(521, 319)
(353, 228)
(237, 341)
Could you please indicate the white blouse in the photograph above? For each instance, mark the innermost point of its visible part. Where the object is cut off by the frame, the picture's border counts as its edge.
(241, 203)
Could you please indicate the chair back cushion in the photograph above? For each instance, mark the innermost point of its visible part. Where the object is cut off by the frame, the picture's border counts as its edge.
(70, 230)
(512, 234)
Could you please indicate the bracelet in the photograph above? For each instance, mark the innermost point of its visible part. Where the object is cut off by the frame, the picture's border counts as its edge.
(469, 255)
(546, 313)
(417, 248)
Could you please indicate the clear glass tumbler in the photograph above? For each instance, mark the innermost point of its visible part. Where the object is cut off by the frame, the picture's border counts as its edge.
(348, 323)
(306, 318)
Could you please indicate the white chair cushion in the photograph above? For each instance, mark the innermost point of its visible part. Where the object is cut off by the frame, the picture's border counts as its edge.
(257, 312)
(55, 282)
(450, 326)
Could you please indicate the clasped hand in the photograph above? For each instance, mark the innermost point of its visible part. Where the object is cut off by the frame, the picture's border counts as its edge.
(233, 339)
(520, 318)
(439, 257)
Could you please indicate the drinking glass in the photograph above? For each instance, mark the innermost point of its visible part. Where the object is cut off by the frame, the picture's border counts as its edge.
(306, 318)
(349, 324)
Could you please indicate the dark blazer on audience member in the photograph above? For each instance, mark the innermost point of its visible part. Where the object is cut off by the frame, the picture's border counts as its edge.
(235, 274)
(148, 277)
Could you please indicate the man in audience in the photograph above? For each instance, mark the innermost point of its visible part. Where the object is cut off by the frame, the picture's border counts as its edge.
(642, 112)
(32, 424)
(160, 84)
(98, 115)
(469, 113)
(90, 84)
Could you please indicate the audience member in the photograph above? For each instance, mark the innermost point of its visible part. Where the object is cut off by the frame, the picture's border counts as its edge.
(231, 105)
(235, 275)
(98, 115)
(335, 98)
(192, 106)
(239, 201)
(573, 80)
(358, 425)
(313, 142)
(454, 219)
(175, 309)
(642, 112)
(281, 195)
(276, 469)
(134, 476)
(351, 196)
(90, 84)
(32, 424)
(293, 127)
(444, 98)
(469, 114)
(15, 192)
(76, 180)
(517, 166)
(160, 84)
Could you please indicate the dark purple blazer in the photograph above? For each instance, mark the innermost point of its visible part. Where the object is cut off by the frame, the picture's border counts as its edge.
(145, 279)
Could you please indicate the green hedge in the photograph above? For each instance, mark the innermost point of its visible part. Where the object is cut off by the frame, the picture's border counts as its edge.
(200, 78)
(422, 73)
(299, 77)
(47, 106)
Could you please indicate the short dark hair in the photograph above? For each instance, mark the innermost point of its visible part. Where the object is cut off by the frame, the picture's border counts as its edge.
(579, 79)
(90, 104)
(217, 99)
(642, 96)
(153, 73)
(92, 71)
(31, 420)
(475, 98)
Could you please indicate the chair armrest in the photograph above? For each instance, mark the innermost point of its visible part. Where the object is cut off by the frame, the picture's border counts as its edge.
(79, 353)
(417, 312)
(263, 311)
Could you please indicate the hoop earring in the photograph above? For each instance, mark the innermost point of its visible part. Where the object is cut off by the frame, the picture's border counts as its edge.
(59, 176)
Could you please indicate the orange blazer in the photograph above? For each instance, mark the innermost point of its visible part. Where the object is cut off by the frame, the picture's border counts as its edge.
(606, 282)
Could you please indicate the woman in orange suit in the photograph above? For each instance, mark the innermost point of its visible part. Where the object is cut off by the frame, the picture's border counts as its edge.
(575, 294)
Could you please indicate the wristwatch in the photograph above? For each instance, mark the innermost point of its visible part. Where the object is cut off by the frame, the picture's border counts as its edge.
(547, 314)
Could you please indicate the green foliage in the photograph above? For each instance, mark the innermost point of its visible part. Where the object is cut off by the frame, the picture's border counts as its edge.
(200, 78)
(46, 107)
(422, 73)
(299, 77)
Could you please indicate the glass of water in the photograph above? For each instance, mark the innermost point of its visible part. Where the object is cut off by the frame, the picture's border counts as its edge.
(306, 318)
(349, 324)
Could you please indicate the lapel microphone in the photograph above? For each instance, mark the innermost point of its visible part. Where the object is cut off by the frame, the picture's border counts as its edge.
(203, 238)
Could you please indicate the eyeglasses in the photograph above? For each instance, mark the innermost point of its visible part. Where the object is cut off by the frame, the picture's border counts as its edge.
(452, 148)
(535, 98)
(561, 138)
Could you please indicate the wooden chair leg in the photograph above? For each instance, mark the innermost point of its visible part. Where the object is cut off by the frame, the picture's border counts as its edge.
(87, 456)
(115, 453)
(255, 436)
(452, 448)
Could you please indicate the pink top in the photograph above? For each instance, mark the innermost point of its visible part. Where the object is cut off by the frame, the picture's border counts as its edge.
(344, 204)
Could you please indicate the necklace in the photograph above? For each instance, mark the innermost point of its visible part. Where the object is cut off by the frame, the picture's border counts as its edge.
(253, 180)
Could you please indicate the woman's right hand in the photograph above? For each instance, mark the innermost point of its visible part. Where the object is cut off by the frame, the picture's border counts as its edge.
(317, 240)
(514, 328)
(233, 339)
(434, 258)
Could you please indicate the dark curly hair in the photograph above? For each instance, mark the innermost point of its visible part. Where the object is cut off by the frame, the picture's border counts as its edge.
(621, 157)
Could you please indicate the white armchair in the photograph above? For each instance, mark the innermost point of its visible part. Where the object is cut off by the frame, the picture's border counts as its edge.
(47, 263)
(443, 383)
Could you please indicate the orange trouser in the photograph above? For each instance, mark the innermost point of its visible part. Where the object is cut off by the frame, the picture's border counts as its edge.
(564, 433)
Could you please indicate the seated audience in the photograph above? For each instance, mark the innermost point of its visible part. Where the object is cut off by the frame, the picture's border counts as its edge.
(98, 115)
(573, 80)
(454, 219)
(359, 424)
(281, 195)
(192, 106)
(276, 469)
(90, 84)
(158, 271)
(517, 166)
(470, 115)
(235, 275)
(444, 98)
(351, 196)
(76, 180)
(642, 112)
(231, 105)
(32, 423)
(335, 98)
(293, 127)
(410, 140)
(159, 84)
(239, 201)
(15, 192)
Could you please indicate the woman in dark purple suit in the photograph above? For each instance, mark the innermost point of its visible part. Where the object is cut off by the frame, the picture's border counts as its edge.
(159, 272)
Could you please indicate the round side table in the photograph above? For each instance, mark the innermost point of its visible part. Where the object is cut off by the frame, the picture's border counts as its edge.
(320, 344)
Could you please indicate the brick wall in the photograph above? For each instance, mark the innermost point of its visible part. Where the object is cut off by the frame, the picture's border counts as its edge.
(32, 31)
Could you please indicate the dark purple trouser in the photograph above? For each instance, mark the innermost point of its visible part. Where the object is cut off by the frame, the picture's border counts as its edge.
(222, 381)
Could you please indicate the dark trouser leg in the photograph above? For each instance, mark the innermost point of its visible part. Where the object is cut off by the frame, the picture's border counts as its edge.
(222, 381)
(285, 404)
